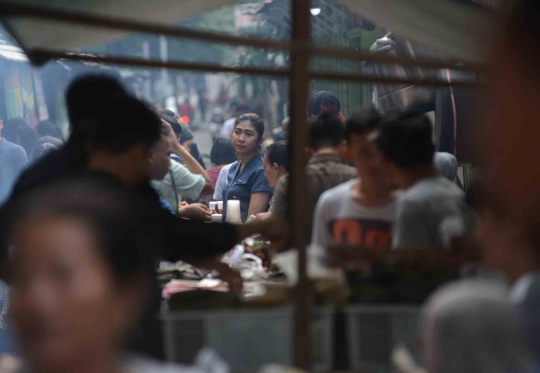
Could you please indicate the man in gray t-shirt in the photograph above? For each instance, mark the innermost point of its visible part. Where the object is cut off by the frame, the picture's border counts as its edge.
(431, 211)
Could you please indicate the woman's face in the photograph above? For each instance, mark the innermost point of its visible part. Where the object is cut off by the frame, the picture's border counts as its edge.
(245, 138)
(271, 171)
(66, 302)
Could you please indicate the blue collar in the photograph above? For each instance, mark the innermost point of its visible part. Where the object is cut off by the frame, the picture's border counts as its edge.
(253, 162)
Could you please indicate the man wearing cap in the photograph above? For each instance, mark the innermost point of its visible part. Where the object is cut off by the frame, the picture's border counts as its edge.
(325, 102)
(326, 168)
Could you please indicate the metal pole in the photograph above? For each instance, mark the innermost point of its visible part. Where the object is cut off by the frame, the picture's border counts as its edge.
(298, 201)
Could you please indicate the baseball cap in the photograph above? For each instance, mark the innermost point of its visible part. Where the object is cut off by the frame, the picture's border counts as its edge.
(324, 102)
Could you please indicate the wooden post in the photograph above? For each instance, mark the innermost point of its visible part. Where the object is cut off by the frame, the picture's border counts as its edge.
(298, 199)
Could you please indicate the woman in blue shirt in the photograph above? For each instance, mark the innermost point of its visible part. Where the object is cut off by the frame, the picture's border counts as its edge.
(246, 181)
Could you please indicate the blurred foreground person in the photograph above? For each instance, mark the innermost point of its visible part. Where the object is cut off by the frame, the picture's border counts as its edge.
(513, 183)
(81, 276)
(325, 169)
(361, 211)
(470, 327)
(506, 247)
(431, 211)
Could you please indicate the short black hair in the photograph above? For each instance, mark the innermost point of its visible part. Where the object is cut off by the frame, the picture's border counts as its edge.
(222, 151)
(186, 135)
(49, 139)
(277, 153)
(48, 128)
(87, 93)
(176, 127)
(326, 130)
(362, 120)
(170, 113)
(41, 149)
(407, 140)
(255, 121)
(121, 123)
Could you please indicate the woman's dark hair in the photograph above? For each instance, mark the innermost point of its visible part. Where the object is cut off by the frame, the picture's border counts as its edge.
(115, 218)
(27, 136)
(222, 151)
(255, 121)
(48, 128)
(407, 140)
(277, 153)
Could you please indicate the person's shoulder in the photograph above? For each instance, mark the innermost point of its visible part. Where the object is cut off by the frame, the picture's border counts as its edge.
(52, 165)
(13, 148)
(348, 170)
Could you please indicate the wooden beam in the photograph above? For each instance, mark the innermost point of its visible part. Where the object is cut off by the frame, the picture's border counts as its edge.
(363, 78)
(11, 9)
(298, 198)
(41, 56)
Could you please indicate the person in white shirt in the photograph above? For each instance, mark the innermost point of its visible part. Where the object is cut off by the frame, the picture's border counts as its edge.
(221, 182)
(361, 211)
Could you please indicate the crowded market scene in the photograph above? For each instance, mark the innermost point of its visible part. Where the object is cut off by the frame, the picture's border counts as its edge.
(269, 186)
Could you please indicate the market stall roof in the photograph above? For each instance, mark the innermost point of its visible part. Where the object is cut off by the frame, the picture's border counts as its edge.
(450, 26)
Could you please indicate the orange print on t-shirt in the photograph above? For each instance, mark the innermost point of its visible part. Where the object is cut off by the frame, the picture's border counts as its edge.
(362, 232)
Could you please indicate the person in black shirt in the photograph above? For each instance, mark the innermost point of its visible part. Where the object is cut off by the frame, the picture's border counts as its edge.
(99, 108)
(112, 141)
